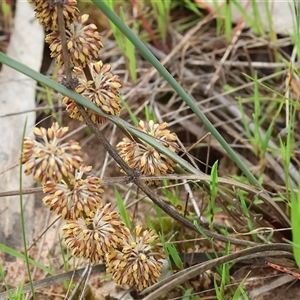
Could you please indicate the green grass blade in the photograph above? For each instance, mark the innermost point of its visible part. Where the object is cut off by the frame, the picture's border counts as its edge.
(2, 276)
(23, 218)
(129, 111)
(172, 251)
(174, 84)
(240, 292)
(213, 185)
(122, 208)
(17, 254)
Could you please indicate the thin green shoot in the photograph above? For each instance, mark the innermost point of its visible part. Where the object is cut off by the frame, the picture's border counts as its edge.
(188, 295)
(296, 28)
(224, 272)
(218, 10)
(257, 18)
(174, 200)
(149, 114)
(2, 276)
(171, 251)
(185, 23)
(149, 222)
(51, 104)
(246, 213)
(213, 186)
(272, 33)
(228, 23)
(122, 208)
(162, 15)
(6, 13)
(201, 232)
(256, 27)
(245, 120)
(260, 143)
(23, 217)
(287, 148)
(240, 292)
(269, 237)
(129, 111)
(129, 51)
(124, 45)
(218, 291)
(160, 219)
(256, 121)
(192, 6)
(64, 258)
(169, 248)
(18, 294)
(266, 87)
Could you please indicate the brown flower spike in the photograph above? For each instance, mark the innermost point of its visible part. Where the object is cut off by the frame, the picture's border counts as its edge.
(138, 264)
(95, 236)
(50, 159)
(144, 157)
(46, 13)
(79, 198)
(83, 42)
(102, 90)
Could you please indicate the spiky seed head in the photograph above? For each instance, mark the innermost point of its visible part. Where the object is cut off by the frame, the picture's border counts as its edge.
(139, 155)
(46, 13)
(76, 198)
(96, 235)
(50, 158)
(83, 42)
(139, 262)
(102, 90)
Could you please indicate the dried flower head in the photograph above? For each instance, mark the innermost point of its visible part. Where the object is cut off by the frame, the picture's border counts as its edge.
(46, 13)
(50, 159)
(83, 42)
(96, 235)
(138, 264)
(102, 90)
(144, 157)
(77, 198)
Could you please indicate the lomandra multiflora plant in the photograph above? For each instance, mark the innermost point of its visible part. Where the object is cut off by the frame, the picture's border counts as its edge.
(92, 230)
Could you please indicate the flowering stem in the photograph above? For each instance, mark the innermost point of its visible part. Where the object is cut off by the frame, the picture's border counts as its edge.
(23, 224)
(63, 38)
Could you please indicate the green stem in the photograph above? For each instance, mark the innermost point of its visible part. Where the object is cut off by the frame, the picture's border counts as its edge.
(23, 222)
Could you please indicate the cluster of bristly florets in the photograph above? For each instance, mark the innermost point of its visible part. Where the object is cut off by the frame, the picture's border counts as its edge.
(83, 43)
(93, 230)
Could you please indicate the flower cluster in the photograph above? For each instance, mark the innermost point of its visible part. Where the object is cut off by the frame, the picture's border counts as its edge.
(92, 229)
(50, 158)
(102, 90)
(46, 13)
(138, 263)
(77, 198)
(142, 156)
(94, 236)
(83, 42)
